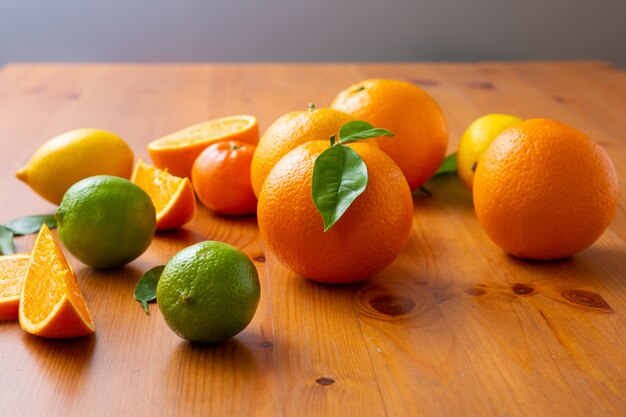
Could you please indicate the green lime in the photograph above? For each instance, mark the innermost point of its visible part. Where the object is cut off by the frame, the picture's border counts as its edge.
(208, 292)
(106, 221)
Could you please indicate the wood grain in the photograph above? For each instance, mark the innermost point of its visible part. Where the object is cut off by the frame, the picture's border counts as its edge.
(453, 327)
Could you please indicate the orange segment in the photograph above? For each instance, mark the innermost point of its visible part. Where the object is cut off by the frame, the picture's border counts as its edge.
(51, 304)
(178, 150)
(173, 197)
(12, 271)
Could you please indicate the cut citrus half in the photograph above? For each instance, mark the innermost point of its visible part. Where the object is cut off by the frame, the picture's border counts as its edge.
(12, 271)
(173, 197)
(177, 151)
(51, 304)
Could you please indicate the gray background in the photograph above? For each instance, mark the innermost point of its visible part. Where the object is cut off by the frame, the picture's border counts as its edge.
(313, 30)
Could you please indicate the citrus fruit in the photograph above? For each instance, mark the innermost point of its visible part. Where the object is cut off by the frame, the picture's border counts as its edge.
(12, 272)
(421, 133)
(544, 190)
(72, 156)
(173, 197)
(208, 292)
(476, 139)
(221, 178)
(367, 238)
(106, 221)
(51, 303)
(178, 150)
(290, 131)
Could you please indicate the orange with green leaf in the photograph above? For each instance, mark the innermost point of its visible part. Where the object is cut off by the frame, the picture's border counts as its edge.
(338, 213)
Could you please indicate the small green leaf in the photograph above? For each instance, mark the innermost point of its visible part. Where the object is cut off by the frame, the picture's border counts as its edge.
(358, 130)
(448, 166)
(7, 246)
(145, 291)
(339, 177)
(31, 224)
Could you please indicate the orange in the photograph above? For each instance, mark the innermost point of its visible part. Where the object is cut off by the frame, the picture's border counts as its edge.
(544, 190)
(12, 271)
(178, 150)
(290, 131)
(173, 197)
(51, 304)
(221, 178)
(367, 238)
(421, 133)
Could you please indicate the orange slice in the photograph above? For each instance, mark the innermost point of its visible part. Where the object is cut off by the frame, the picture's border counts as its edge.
(173, 197)
(12, 271)
(51, 304)
(178, 150)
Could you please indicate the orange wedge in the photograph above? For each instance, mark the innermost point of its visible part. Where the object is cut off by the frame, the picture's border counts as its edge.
(12, 271)
(178, 150)
(51, 304)
(173, 197)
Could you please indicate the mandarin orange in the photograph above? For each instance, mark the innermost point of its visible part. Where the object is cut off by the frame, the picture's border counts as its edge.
(221, 178)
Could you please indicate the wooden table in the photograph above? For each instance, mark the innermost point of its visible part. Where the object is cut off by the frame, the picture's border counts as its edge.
(454, 327)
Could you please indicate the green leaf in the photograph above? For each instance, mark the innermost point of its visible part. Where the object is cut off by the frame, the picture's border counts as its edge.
(7, 246)
(31, 224)
(145, 291)
(339, 177)
(448, 166)
(358, 130)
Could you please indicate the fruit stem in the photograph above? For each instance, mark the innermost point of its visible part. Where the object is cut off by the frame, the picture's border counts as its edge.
(311, 106)
(332, 140)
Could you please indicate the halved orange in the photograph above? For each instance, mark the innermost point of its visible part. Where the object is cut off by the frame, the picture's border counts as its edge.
(51, 304)
(177, 151)
(173, 197)
(12, 272)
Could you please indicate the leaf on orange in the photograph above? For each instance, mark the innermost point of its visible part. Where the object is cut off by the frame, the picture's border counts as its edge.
(51, 304)
(173, 197)
(12, 272)
(177, 151)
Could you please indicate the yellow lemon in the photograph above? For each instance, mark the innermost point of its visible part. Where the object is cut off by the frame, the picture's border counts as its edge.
(73, 156)
(476, 139)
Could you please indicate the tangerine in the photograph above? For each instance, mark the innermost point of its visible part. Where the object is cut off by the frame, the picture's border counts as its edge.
(221, 178)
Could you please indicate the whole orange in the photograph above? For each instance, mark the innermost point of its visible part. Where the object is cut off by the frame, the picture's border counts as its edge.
(290, 131)
(367, 238)
(221, 177)
(421, 132)
(544, 190)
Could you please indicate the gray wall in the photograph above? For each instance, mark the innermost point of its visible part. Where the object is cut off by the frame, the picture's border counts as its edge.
(312, 30)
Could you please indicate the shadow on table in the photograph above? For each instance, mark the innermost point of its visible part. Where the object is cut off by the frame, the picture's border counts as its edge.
(63, 361)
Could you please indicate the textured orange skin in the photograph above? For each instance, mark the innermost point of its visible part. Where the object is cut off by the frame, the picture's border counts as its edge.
(181, 206)
(221, 178)
(421, 132)
(14, 267)
(544, 190)
(290, 131)
(179, 160)
(365, 240)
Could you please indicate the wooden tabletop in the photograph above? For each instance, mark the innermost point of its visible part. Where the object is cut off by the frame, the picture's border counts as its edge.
(454, 327)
